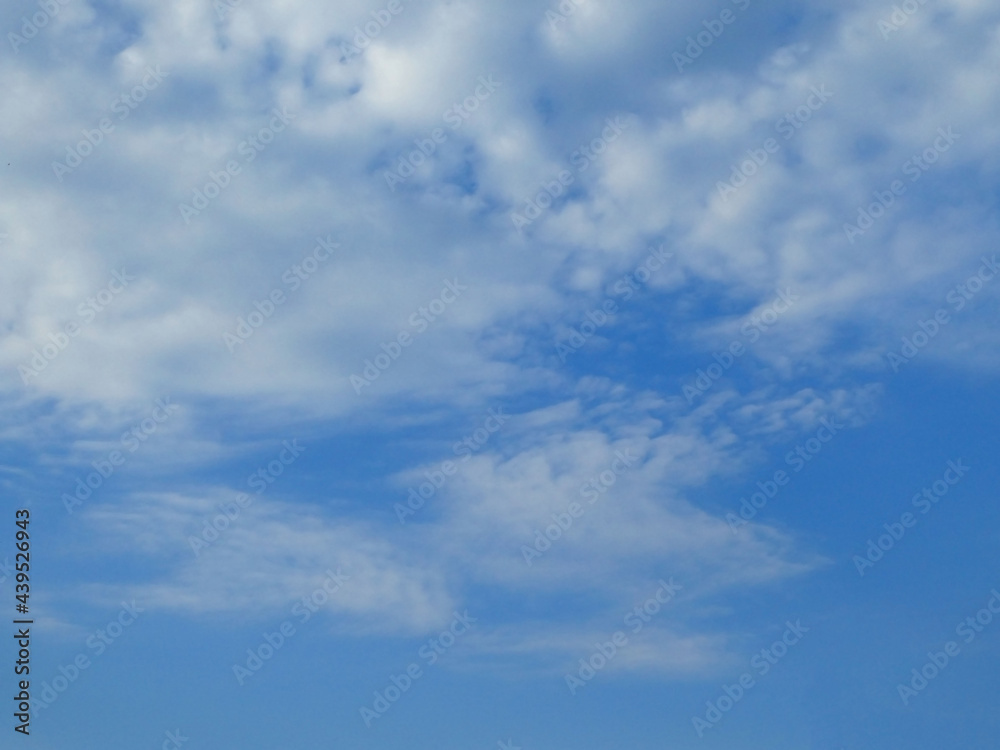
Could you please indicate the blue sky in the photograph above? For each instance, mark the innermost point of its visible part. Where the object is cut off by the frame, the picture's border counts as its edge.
(406, 374)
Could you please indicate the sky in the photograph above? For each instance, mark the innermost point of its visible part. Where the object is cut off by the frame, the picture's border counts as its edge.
(519, 376)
